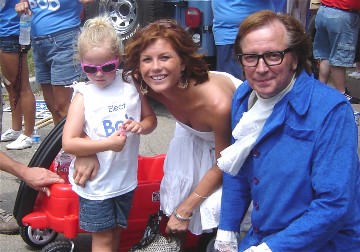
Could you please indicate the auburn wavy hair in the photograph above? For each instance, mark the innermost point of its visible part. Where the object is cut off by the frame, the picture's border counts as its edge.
(195, 66)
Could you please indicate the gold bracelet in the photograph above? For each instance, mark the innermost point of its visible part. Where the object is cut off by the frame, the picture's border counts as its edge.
(201, 197)
(179, 217)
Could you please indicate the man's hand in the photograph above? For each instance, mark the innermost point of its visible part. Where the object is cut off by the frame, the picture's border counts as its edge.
(85, 168)
(40, 178)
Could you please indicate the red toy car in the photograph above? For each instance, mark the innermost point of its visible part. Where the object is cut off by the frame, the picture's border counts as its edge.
(41, 218)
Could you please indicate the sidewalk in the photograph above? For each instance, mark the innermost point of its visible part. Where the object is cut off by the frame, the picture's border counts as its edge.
(352, 84)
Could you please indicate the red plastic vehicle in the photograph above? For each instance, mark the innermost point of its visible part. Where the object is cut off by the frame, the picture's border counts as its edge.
(41, 218)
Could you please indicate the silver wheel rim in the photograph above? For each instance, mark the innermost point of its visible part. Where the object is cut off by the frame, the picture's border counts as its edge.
(123, 13)
(40, 236)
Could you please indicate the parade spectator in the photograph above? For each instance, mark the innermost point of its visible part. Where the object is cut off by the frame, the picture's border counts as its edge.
(288, 155)
(337, 25)
(55, 26)
(21, 97)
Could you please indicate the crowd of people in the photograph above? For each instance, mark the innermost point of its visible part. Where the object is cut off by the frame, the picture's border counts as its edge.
(260, 140)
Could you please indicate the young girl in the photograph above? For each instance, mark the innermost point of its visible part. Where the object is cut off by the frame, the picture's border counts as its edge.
(112, 114)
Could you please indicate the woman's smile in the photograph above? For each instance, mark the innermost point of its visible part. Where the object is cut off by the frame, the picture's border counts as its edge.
(158, 77)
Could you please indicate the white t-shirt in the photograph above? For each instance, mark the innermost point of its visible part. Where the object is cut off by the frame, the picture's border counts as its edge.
(105, 110)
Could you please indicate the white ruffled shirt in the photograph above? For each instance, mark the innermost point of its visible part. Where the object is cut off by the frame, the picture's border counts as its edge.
(246, 132)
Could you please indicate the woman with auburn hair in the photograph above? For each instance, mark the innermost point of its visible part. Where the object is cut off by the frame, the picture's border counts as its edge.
(163, 60)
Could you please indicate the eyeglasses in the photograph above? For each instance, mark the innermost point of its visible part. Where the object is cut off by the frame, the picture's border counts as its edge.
(270, 58)
(107, 67)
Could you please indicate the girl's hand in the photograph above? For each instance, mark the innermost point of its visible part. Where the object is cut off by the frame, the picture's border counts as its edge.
(23, 7)
(131, 126)
(85, 168)
(117, 140)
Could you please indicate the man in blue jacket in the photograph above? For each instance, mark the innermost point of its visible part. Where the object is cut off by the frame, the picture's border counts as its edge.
(294, 152)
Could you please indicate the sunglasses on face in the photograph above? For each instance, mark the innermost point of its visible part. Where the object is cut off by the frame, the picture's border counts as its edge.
(107, 67)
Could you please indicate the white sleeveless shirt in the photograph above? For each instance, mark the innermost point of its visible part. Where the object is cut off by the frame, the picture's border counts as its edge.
(105, 110)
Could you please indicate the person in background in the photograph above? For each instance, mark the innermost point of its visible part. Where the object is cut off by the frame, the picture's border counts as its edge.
(36, 177)
(288, 155)
(337, 25)
(298, 9)
(21, 97)
(228, 15)
(113, 125)
(55, 26)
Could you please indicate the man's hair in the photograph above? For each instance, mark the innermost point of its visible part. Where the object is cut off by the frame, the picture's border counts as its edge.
(297, 39)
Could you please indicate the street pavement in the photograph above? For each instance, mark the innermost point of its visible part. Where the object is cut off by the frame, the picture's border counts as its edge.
(152, 144)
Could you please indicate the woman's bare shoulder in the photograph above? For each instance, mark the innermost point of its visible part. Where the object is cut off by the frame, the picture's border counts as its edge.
(220, 87)
(224, 80)
(218, 92)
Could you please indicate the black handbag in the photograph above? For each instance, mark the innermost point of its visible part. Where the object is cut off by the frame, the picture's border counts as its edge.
(153, 240)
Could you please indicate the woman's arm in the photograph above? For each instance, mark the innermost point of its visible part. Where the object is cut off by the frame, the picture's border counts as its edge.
(148, 117)
(212, 180)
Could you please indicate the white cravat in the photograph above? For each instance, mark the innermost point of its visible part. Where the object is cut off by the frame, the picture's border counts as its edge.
(248, 129)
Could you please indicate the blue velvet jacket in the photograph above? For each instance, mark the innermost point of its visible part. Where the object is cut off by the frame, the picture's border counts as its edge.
(302, 175)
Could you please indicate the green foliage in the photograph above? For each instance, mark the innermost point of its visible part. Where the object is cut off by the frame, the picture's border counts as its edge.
(31, 63)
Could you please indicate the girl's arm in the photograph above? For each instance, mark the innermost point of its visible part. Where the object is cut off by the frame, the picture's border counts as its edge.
(148, 121)
(73, 141)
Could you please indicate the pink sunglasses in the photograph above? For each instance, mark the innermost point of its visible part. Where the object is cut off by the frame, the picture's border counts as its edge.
(107, 67)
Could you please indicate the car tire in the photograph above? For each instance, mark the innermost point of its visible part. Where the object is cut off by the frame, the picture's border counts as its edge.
(127, 15)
